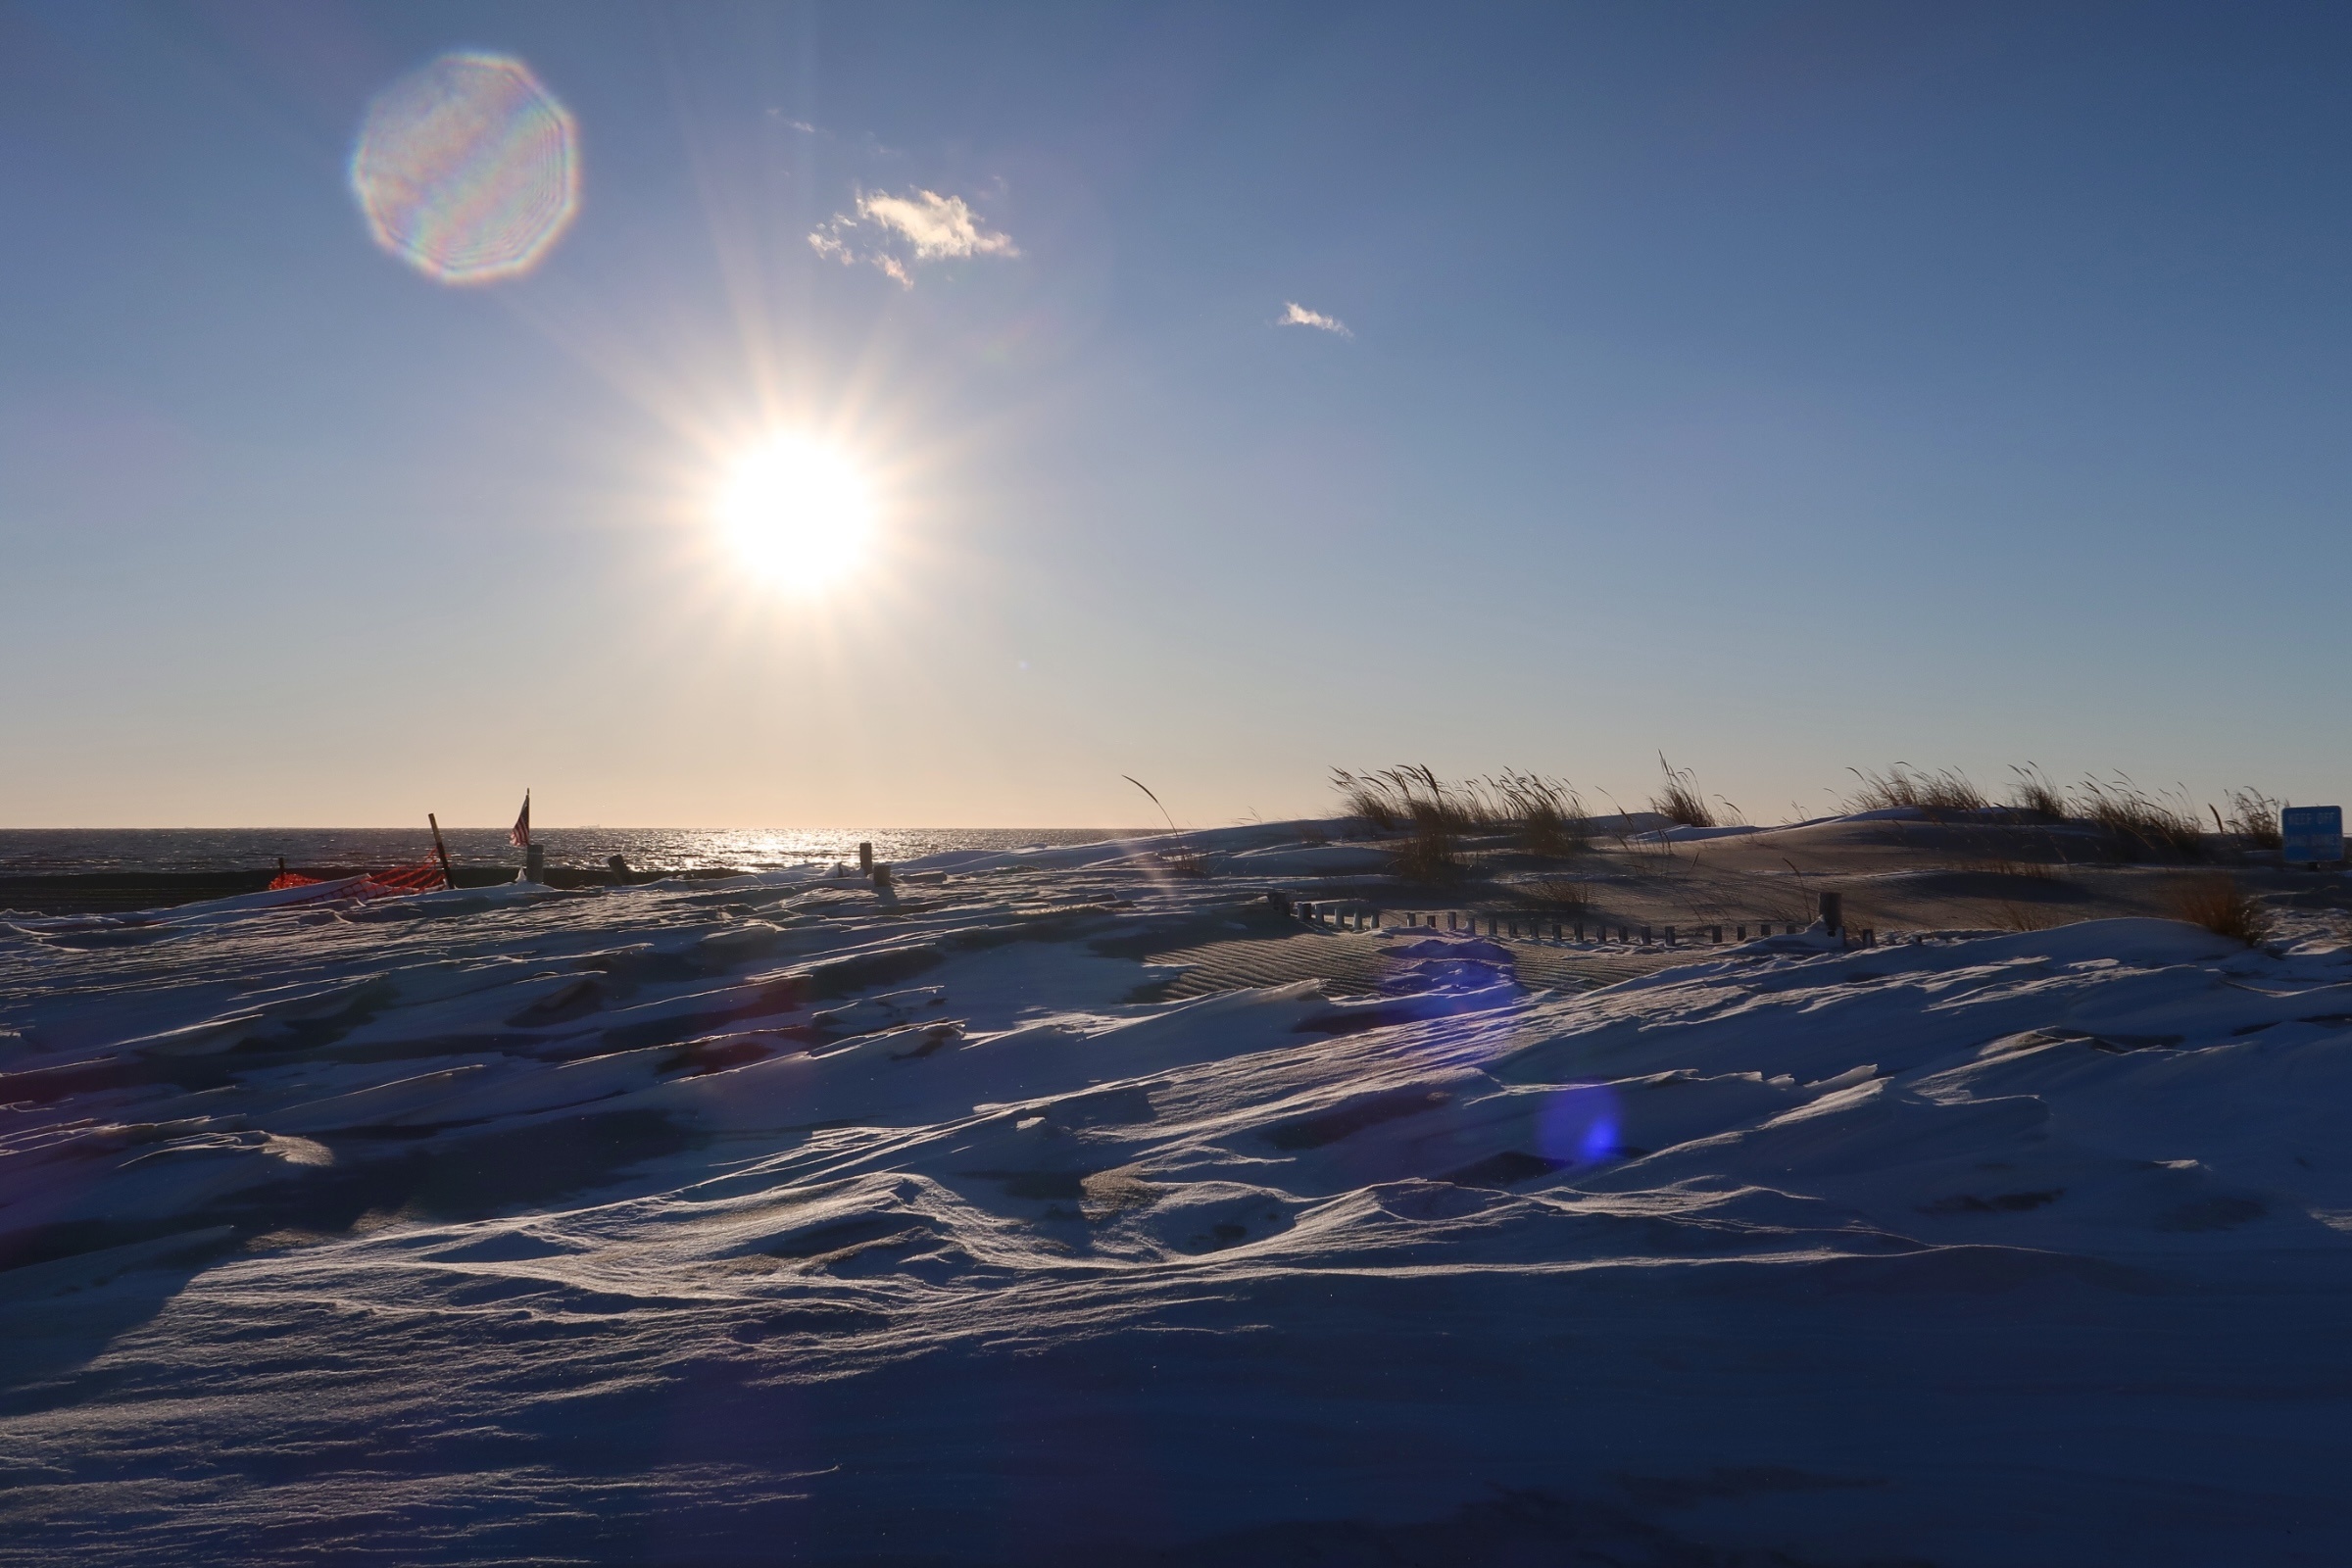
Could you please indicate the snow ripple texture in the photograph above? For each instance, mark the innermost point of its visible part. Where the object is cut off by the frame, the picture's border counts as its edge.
(781, 1221)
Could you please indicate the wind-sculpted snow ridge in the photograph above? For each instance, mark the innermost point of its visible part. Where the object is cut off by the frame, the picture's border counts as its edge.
(778, 1220)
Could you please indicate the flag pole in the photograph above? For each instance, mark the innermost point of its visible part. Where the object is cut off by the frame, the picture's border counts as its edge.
(442, 850)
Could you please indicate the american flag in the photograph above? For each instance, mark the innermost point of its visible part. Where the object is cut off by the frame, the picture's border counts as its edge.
(520, 838)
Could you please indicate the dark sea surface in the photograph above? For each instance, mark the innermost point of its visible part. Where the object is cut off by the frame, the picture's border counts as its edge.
(56, 851)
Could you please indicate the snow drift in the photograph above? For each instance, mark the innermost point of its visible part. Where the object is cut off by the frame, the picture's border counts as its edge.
(778, 1220)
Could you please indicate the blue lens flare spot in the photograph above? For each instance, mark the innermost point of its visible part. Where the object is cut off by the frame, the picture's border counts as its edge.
(467, 170)
(1578, 1125)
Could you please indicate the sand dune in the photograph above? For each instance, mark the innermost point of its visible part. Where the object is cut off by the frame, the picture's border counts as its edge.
(782, 1221)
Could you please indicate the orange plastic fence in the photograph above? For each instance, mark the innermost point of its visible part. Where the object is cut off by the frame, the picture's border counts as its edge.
(425, 876)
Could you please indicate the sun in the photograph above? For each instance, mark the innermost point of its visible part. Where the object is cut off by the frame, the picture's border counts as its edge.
(797, 511)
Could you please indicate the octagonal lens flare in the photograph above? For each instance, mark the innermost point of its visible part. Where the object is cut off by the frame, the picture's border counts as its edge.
(467, 170)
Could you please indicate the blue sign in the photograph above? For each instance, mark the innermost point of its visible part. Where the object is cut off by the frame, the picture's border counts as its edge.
(2311, 834)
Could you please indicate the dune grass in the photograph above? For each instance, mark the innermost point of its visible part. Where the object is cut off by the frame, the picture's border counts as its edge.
(1394, 798)
(1936, 791)
(1544, 814)
(1183, 860)
(1411, 799)
(1547, 818)
(2140, 823)
(1432, 853)
(2032, 793)
(2254, 818)
(1679, 799)
(2222, 907)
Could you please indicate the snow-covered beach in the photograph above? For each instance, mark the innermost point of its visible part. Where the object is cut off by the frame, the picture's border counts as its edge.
(785, 1220)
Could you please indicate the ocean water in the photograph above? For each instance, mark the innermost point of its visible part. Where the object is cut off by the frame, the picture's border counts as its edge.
(54, 851)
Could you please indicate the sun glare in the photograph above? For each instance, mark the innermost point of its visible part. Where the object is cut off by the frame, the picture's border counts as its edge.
(797, 511)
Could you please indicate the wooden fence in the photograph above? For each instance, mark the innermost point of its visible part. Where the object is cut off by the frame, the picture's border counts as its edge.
(1350, 915)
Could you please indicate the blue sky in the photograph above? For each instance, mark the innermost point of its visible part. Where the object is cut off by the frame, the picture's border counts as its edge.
(1784, 387)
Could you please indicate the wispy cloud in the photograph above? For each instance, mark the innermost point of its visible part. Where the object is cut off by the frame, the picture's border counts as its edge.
(1295, 313)
(895, 233)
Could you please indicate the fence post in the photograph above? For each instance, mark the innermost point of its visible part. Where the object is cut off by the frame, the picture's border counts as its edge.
(1645, 935)
(1832, 911)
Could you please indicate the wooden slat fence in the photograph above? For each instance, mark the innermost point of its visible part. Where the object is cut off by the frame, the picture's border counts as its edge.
(1346, 915)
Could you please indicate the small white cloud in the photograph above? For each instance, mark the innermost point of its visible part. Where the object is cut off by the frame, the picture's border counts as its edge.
(924, 226)
(938, 226)
(1295, 313)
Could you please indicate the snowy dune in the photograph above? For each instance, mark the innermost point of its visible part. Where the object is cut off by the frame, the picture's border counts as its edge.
(778, 1221)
